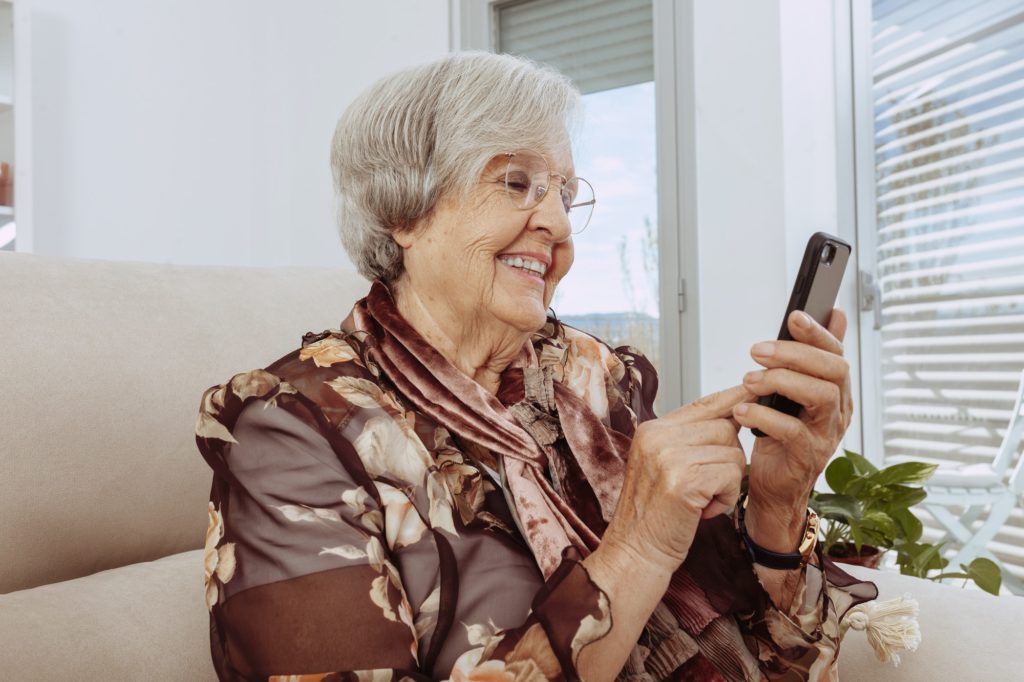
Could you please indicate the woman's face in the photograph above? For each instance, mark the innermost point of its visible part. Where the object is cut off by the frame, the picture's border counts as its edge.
(463, 257)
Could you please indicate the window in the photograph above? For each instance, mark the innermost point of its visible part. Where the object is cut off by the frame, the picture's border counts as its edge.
(944, 239)
(606, 47)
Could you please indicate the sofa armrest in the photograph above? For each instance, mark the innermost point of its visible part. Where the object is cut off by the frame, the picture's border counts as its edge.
(146, 621)
(966, 634)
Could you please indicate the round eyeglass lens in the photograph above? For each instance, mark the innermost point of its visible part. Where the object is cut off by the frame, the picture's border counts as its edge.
(578, 198)
(527, 179)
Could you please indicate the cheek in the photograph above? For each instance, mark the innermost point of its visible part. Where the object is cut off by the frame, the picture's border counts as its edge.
(562, 259)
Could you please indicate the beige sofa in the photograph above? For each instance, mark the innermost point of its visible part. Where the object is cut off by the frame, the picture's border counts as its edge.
(103, 494)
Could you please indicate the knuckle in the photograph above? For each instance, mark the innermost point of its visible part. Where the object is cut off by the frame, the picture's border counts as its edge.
(725, 431)
(704, 401)
(796, 432)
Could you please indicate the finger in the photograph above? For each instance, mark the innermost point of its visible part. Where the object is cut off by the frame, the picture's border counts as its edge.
(802, 358)
(803, 327)
(663, 435)
(714, 482)
(727, 490)
(789, 431)
(710, 432)
(713, 406)
(837, 324)
(814, 394)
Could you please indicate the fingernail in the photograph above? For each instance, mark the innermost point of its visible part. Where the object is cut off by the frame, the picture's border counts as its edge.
(753, 377)
(802, 320)
(764, 349)
(742, 408)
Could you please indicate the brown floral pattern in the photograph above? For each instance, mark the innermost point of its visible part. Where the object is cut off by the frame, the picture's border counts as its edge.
(352, 538)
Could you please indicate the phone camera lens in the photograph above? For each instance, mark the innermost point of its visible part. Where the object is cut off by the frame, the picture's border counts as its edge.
(828, 254)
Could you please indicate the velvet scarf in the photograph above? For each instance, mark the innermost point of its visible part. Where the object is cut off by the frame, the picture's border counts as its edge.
(521, 425)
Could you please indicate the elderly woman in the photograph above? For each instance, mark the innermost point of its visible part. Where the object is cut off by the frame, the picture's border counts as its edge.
(455, 485)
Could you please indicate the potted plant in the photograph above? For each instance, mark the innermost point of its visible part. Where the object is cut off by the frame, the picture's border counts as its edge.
(869, 512)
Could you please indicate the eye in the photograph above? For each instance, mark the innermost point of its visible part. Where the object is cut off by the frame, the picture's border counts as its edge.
(517, 182)
(569, 194)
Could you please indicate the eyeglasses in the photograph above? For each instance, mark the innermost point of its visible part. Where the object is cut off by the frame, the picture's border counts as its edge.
(527, 180)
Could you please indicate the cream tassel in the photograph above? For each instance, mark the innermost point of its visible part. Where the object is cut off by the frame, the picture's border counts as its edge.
(891, 626)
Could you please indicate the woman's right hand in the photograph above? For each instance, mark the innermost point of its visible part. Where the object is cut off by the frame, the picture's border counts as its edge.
(683, 467)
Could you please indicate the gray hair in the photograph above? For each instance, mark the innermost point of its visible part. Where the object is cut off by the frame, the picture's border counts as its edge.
(429, 131)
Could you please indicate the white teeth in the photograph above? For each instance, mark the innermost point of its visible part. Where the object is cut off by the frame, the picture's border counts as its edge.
(525, 264)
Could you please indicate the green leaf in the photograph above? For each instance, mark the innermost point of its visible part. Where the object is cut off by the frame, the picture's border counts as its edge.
(906, 472)
(894, 497)
(985, 574)
(879, 527)
(861, 466)
(927, 557)
(855, 534)
(858, 487)
(838, 474)
(910, 526)
(835, 507)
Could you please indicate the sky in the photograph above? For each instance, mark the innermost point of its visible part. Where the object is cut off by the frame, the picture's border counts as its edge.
(615, 152)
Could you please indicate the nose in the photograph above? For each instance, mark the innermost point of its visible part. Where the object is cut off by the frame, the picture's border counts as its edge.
(550, 214)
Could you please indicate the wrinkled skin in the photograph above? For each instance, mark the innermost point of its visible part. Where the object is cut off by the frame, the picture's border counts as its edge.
(683, 466)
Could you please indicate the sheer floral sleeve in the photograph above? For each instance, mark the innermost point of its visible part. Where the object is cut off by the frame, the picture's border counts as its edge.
(353, 538)
(342, 545)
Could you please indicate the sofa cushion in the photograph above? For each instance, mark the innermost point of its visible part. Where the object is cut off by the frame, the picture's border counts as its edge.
(147, 621)
(102, 371)
(966, 634)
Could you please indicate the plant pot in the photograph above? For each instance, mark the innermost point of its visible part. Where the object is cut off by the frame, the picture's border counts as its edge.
(847, 554)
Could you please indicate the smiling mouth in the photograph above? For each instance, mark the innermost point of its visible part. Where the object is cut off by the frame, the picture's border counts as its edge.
(529, 266)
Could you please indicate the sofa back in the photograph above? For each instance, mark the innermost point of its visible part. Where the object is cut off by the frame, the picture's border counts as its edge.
(102, 366)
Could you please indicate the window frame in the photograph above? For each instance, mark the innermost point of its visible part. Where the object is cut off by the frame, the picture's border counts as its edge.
(855, 195)
(472, 27)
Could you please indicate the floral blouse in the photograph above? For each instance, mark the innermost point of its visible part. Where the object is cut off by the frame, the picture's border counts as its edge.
(351, 537)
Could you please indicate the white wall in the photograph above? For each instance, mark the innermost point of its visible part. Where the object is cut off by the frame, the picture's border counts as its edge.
(740, 204)
(765, 167)
(197, 132)
(189, 131)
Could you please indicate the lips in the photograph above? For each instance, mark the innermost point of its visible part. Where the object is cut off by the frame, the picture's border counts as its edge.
(528, 265)
(529, 261)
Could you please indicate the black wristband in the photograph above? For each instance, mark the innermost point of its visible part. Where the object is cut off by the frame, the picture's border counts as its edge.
(759, 555)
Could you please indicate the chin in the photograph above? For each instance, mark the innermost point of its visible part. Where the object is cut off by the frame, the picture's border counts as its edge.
(527, 321)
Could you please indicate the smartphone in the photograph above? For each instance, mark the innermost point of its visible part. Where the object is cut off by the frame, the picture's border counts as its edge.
(815, 293)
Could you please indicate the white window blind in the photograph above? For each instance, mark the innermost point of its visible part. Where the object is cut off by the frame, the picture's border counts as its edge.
(948, 89)
(600, 44)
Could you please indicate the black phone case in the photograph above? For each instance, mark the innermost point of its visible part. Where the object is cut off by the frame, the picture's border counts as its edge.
(815, 292)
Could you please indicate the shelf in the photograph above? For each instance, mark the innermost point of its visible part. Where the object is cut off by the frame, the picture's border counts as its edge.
(5, 100)
(6, 210)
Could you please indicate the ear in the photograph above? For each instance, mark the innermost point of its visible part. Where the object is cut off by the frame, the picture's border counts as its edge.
(407, 235)
(404, 237)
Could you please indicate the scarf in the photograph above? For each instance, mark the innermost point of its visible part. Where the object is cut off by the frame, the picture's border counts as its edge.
(521, 425)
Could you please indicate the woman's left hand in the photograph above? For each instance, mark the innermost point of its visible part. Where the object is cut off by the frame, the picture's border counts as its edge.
(785, 464)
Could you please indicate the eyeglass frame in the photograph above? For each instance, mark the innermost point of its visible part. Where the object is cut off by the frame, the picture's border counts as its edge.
(592, 202)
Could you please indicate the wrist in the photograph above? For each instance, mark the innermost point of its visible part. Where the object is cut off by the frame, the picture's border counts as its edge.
(622, 561)
(778, 528)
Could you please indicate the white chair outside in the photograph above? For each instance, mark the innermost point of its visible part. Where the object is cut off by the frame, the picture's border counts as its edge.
(977, 487)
